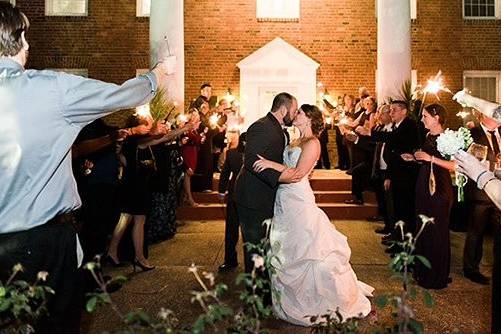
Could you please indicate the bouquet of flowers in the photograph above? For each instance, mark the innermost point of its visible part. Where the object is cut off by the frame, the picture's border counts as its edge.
(451, 142)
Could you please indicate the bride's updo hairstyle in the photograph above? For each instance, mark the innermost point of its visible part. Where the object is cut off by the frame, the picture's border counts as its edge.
(316, 116)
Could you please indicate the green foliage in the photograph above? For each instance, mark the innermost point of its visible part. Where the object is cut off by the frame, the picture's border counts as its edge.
(160, 107)
(402, 313)
(334, 323)
(21, 303)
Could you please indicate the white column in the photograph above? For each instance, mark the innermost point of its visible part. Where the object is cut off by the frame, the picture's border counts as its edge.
(167, 35)
(393, 47)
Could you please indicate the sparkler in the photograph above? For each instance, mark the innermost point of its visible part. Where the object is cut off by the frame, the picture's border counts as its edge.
(434, 86)
(183, 118)
(213, 120)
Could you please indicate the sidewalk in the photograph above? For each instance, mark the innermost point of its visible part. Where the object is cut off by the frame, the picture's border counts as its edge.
(463, 305)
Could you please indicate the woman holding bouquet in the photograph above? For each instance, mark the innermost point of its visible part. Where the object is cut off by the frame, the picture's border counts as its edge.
(434, 198)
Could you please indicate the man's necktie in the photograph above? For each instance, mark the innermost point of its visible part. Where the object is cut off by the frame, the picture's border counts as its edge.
(494, 140)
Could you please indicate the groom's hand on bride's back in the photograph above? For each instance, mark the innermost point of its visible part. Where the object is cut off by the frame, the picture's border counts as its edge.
(290, 175)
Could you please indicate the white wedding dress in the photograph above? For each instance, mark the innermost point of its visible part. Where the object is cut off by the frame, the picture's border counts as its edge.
(314, 275)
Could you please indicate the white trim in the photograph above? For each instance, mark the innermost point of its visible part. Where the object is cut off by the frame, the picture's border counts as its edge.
(413, 9)
(83, 72)
(485, 74)
(140, 8)
(49, 10)
(278, 9)
(497, 12)
(414, 79)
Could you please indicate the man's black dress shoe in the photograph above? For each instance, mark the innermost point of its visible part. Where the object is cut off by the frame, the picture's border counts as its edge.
(477, 278)
(387, 242)
(375, 219)
(388, 236)
(382, 230)
(393, 249)
(354, 201)
(225, 267)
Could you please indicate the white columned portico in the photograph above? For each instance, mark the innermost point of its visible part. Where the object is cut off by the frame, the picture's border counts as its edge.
(167, 35)
(393, 47)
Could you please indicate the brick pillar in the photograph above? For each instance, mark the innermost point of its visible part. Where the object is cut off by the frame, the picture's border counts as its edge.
(167, 21)
(393, 47)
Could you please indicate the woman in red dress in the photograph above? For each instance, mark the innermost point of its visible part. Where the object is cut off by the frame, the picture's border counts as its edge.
(190, 144)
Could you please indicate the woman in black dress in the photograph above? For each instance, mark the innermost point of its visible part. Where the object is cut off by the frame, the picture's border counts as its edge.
(135, 196)
(434, 198)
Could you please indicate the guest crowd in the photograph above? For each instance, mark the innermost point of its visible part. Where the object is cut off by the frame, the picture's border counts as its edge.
(130, 180)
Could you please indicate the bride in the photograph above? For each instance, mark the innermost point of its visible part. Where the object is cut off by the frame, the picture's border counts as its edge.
(314, 275)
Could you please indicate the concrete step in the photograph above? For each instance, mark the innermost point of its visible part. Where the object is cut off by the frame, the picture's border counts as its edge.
(333, 210)
(322, 196)
(317, 184)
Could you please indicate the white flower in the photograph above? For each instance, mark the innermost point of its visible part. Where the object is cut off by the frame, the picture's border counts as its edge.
(17, 268)
(42, 276)
(451, 142)
(164, 313)
(209, 277)
(192, 268)
(258, 261)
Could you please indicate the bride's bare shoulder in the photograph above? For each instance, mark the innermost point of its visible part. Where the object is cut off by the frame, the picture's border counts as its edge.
(311, 143)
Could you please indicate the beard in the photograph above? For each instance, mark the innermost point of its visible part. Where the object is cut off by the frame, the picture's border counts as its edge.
(287, 119)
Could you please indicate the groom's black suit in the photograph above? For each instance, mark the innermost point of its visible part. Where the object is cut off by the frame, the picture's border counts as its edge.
(255, 192)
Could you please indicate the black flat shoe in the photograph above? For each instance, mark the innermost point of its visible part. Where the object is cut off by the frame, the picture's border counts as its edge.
(225, 267)
(143, 266)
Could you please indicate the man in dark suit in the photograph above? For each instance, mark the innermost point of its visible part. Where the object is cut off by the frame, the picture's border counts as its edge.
(255, 192)
(401, 175)
(231, 167)
(481, 211)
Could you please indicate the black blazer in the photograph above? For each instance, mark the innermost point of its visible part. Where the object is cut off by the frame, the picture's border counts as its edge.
(257, 190)
(472, 192)
(403, 139)
(231, 167)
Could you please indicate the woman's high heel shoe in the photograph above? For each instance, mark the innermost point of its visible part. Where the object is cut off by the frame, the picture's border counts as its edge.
(142, 266)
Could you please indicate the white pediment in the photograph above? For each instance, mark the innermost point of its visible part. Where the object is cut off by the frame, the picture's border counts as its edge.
(276, 67)
(277, 54)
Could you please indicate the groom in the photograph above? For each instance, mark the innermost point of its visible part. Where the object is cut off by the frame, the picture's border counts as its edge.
(255, 192)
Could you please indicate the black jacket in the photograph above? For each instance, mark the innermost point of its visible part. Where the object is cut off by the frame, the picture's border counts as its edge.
(257, 190)
(403, 139)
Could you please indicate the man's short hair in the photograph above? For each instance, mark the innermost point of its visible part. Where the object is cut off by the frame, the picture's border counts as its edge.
(282, 99)
(205, 85)
(12, 23)
(402, 104)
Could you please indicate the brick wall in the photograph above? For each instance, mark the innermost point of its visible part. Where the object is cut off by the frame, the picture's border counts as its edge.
(341, 35)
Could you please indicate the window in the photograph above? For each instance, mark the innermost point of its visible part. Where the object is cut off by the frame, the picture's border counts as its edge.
(83, 72)
(483, 84)
(143, 8)
(478, 9)
(277, 10)
(66, 7)
(413, 9)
